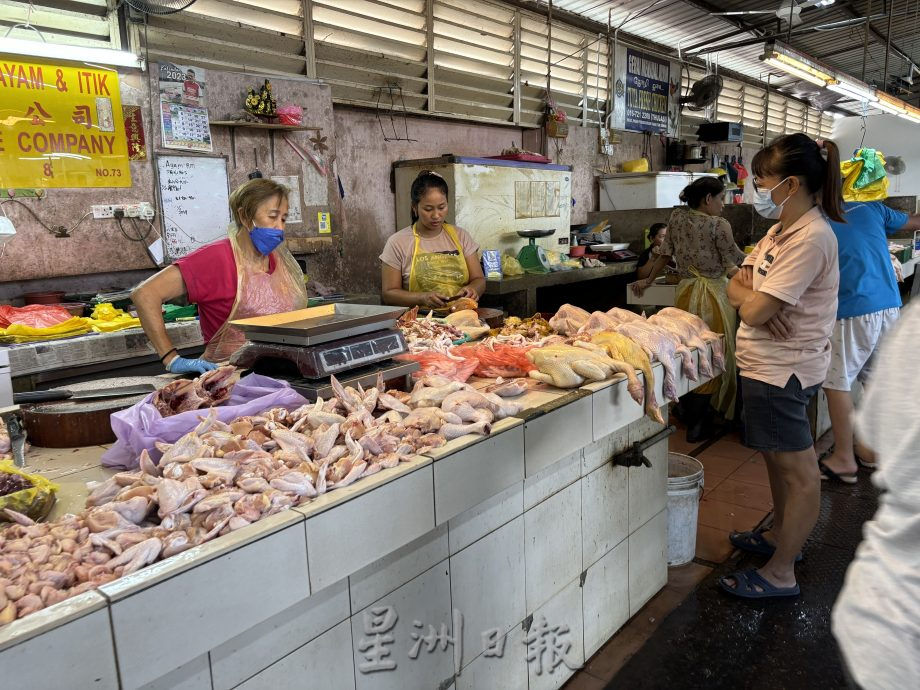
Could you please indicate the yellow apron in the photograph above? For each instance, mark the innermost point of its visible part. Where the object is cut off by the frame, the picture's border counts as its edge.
(708, 299)
(257, 294)
(441, 273)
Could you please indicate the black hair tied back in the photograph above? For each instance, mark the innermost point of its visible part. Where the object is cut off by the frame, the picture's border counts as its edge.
(421, 185)
(696, 192)
(815, 163)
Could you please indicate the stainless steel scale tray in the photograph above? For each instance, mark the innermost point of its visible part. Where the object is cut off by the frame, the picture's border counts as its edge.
(318, 325)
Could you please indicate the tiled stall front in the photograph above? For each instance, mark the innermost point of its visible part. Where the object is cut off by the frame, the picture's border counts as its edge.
(501, 562)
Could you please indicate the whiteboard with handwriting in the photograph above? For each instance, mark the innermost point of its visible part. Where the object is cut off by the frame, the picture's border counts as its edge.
(194, 201)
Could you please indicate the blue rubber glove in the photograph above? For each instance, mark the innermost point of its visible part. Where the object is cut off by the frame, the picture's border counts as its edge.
(184, 365)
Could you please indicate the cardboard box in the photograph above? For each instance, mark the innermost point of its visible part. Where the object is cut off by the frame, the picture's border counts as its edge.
(658, 295)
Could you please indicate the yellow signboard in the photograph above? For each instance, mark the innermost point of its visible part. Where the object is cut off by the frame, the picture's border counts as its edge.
(61, 126)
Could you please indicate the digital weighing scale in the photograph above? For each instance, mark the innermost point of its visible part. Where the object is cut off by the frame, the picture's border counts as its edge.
(532, 256)
(353, 342)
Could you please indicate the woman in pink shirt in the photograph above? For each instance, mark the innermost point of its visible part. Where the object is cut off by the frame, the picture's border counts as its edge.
(249, 273)
(786, 296)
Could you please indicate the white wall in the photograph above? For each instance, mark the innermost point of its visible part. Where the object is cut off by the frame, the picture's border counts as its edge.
(893, 136)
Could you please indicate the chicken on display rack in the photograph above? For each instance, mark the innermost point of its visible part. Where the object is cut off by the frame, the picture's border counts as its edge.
(703, 330)
(598, 322)
(619, 347)
(567, 366)
(659, 344)
(569, 319)
(688, 336)
(624, 315)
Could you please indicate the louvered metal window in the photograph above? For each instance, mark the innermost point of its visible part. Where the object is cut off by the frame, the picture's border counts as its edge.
(475, 59)
(230, 35)
(745, 103)
(373, 52)
(78, 22)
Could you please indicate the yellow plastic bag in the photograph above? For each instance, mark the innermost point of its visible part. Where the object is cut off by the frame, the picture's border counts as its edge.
(708, 299)
(18, 333)
(106, 319)
(511, 266)
(35, 502)
(851, 169)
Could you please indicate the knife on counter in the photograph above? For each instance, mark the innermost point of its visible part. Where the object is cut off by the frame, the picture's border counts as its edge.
(94, 394)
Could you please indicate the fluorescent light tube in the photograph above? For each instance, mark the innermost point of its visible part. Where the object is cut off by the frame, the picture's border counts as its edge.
(886, 107)
(890, 104)
(909, 116)
(853, 92)
(54, 51)
(795, 71)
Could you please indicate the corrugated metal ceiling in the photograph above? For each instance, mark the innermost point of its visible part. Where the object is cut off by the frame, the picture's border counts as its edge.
(834, 34)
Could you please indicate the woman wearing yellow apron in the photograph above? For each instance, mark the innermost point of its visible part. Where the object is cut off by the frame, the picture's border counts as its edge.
(703, 248)
(431, 261)
(250, 273)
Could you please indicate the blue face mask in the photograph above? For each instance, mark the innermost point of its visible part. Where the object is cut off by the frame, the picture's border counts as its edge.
(764, 204)
(265, 240)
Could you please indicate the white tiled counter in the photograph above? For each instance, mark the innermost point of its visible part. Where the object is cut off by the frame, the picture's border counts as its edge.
(496, 562)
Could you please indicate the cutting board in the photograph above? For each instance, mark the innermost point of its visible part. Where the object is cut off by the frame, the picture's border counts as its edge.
(74, 423)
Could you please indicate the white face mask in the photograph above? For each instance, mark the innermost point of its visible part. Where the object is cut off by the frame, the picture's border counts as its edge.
(764, 204)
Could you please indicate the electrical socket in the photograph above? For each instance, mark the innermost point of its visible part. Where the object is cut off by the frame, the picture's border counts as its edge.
(141, 209)
(104, 210)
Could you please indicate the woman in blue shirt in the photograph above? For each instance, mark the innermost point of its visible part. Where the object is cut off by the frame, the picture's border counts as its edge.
(868, 305)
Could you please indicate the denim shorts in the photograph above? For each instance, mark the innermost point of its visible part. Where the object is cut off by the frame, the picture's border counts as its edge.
(776, 419)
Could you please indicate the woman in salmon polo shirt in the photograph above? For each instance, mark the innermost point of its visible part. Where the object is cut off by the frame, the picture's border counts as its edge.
(249, 273)
(786, 296)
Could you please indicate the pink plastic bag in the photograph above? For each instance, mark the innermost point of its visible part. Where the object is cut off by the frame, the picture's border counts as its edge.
(290, 114)
(141, 426)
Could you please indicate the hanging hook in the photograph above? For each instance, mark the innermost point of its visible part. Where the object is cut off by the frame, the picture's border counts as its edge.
(26, 25)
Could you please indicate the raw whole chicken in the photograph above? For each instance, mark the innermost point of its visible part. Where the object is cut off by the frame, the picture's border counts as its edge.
(619, 347)
(657, 343)
(467, 321)
(567, 366)
(688, 336)
(624, 315)
(703, 330)
(569, 319)
(599, 321)
(681, 350)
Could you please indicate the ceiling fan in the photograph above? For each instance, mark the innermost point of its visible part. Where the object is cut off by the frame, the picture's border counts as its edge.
(788, 10)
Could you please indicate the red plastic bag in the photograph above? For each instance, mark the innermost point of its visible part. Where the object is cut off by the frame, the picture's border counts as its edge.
(507, 361)
(435, 363)
(290, 114)
(33, 315)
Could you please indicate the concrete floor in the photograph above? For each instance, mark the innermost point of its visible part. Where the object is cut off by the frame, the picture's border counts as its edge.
(692, 635)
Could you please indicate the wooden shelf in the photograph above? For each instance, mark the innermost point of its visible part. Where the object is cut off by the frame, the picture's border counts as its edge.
(264, 125)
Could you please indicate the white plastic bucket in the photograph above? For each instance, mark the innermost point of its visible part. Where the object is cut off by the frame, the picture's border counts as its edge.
(685, 489)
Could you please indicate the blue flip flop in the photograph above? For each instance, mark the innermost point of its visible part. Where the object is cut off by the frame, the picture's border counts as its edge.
(750, 584)
(754, 542)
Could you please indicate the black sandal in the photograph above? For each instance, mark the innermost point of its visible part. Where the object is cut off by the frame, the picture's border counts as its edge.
(843, 478)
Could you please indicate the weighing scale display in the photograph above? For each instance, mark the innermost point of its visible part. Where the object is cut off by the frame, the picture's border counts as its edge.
(356, 354)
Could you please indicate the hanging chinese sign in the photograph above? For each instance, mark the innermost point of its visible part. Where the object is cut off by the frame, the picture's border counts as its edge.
(61, 126)
(134, 131)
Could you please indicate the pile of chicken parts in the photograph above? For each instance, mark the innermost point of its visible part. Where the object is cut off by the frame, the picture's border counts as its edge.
(221, 477)
(209, 389)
